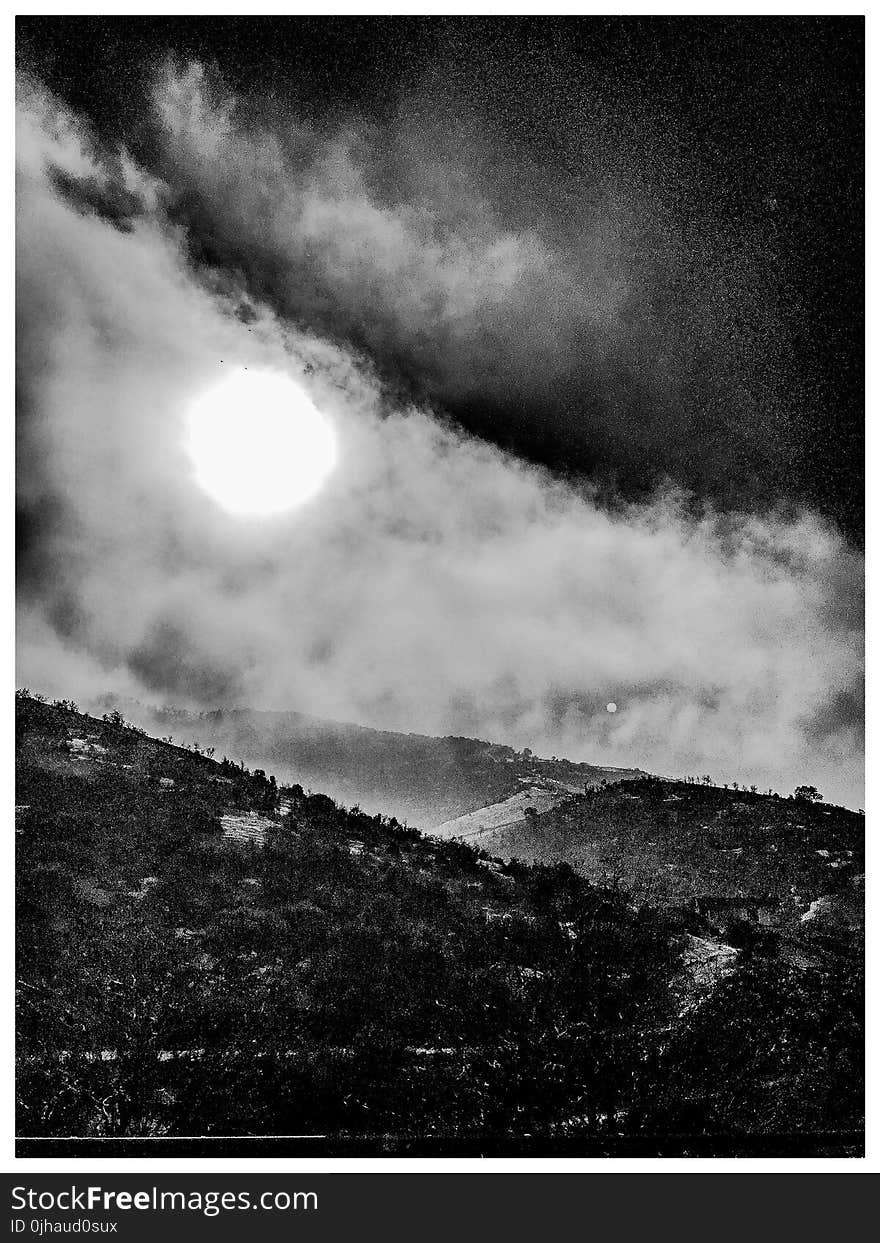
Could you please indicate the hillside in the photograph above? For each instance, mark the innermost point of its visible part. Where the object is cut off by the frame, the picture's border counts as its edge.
(730, 856)
(509, 812)
(202, 951)
(425, 780)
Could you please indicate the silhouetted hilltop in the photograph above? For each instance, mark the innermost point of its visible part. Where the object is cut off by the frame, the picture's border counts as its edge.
(732, 856)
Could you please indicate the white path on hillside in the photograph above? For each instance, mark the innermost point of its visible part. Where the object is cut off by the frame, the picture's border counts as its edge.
(501, 815)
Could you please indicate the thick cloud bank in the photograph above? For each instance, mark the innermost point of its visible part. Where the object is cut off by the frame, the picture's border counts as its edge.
(436, 584)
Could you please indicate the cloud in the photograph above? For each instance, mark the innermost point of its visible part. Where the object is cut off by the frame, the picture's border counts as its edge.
(603, 317)
(437, 583)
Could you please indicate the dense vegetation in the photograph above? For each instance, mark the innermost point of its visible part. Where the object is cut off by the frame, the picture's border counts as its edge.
(349, 976)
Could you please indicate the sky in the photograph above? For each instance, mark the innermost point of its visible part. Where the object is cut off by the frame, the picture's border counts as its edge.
(582, 302)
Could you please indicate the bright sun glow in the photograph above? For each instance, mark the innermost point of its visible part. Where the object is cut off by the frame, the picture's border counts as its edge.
(257, 444)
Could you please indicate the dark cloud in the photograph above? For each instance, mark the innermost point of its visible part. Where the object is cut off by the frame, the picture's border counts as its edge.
(602, 314)
(716, 162)
(108, 200)
(170, 661)
(437, 584)
(839, 721)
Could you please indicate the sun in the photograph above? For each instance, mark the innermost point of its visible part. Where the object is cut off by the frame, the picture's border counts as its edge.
(258, 445)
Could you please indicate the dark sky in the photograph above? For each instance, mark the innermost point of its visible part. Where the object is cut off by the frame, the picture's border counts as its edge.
(724, 156)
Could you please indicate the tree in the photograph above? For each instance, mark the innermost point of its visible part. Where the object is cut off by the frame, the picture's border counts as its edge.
(807, 794)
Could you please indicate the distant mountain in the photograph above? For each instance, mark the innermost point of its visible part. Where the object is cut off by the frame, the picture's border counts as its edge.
(426, 780)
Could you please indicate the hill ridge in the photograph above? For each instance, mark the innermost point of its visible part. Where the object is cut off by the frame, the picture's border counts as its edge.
(427, 780)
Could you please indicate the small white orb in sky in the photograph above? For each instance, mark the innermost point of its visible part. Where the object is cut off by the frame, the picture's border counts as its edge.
(612, 707)
(257, 443)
